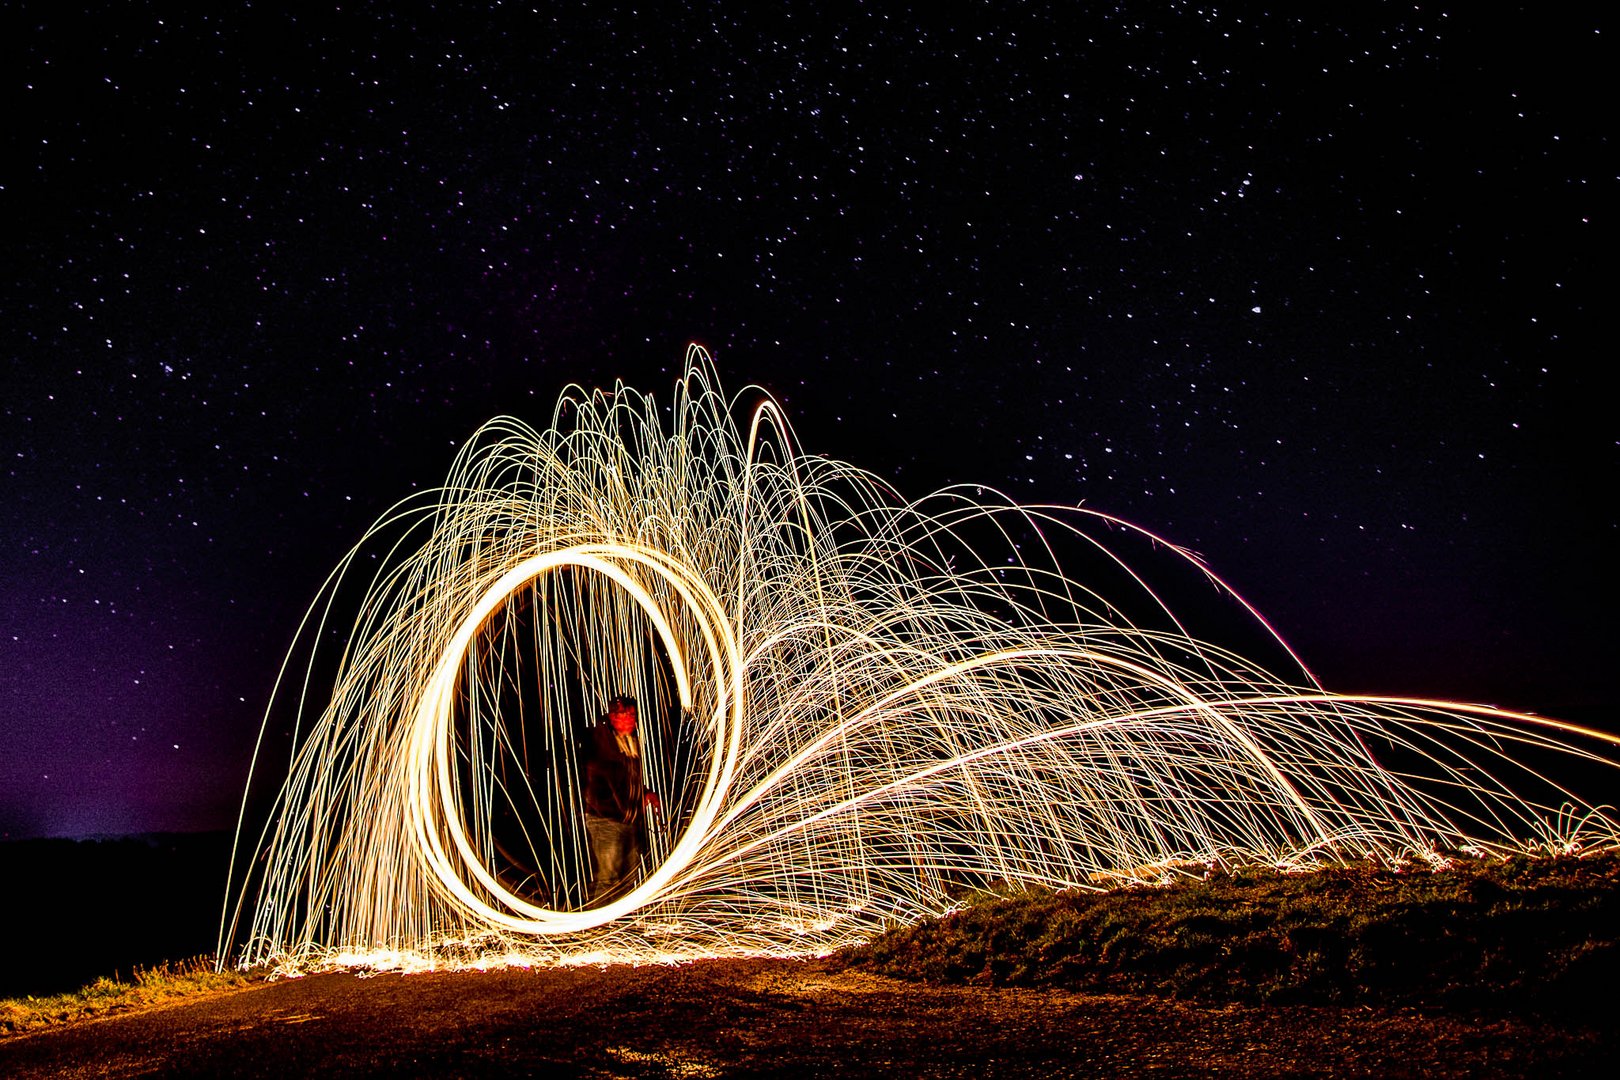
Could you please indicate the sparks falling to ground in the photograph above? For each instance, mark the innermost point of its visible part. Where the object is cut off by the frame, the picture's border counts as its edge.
(855, 706)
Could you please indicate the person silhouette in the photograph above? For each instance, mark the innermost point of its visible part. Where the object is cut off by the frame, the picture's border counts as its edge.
(616, 798)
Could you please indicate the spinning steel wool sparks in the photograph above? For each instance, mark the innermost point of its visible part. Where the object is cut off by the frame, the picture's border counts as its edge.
(853, 707)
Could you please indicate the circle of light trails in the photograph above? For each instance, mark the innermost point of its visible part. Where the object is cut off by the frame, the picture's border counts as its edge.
(877, 704)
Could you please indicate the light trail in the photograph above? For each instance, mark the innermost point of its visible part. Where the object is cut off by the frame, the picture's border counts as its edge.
(854, 708)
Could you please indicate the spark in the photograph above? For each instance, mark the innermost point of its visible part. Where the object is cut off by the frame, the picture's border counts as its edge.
(857, 707)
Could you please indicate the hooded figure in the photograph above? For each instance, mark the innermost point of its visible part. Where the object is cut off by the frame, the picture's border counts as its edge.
(616, 797)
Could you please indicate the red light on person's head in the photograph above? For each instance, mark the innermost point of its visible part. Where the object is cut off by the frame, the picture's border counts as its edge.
(622, 714)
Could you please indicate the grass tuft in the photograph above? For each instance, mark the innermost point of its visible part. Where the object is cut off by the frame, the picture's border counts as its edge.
(1528, 933)
(150, 986)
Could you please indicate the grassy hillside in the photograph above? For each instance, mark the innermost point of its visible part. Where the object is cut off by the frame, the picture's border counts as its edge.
(149, 986)
(1523, 934)
(1536, 934)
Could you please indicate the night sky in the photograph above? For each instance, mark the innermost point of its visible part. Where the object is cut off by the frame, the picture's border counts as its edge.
(1316, 298)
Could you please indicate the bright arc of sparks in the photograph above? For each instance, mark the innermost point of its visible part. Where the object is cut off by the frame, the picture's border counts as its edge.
(855, 707)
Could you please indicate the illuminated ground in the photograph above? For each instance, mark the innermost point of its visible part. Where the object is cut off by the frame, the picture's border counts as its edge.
(1487, 979)
(764, 1017)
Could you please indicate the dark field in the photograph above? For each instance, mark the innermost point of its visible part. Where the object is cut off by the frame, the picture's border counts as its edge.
(78, 909)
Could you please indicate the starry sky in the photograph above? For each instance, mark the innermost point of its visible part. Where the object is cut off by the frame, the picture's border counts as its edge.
(1313, 292)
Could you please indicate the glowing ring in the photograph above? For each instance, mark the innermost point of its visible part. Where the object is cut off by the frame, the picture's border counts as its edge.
(430, 792)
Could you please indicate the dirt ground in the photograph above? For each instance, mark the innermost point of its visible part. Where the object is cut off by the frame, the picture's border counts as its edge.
(773, 1017)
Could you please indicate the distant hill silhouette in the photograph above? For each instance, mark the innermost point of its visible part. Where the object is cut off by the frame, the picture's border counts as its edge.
(76, 909)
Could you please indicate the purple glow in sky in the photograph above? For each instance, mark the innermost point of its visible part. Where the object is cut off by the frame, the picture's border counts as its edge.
(1313, 294)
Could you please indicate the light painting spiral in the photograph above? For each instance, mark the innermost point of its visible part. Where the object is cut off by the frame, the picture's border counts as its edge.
(854, 708)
